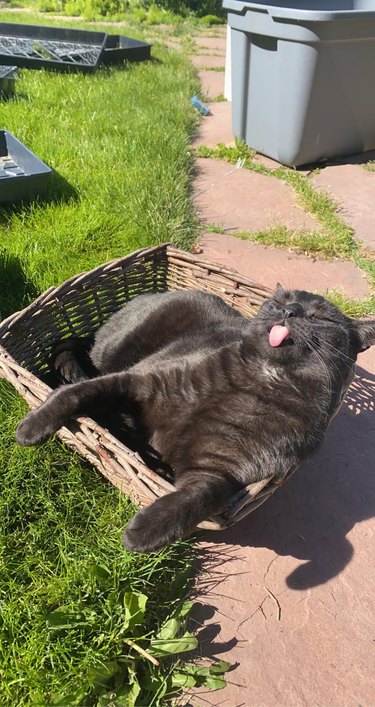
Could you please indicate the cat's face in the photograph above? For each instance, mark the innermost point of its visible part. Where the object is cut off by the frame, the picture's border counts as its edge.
(297, 326)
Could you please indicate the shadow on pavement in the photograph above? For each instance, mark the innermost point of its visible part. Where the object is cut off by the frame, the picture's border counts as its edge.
(311, 515)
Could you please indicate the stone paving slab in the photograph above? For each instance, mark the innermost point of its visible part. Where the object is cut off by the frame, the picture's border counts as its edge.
(354, 188)
(266, 161)
(268, 266)
(241, 200)
(208, 61)
(311, 545)
(217, 127)
(212, 83)
(213, 44)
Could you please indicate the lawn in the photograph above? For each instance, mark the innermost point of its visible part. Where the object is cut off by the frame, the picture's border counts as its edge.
(71, 597)
(118, 142)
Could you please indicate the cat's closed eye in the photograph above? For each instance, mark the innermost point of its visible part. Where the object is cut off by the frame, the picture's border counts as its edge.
(321, 317)
(273, 305)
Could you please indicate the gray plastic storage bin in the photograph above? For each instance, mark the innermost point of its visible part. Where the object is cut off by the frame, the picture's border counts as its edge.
(303, 77)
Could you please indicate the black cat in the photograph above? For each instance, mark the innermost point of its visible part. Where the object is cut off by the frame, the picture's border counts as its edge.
(224, 400)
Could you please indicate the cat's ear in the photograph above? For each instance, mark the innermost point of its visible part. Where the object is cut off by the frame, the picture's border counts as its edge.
(279, 292)
(363, 333)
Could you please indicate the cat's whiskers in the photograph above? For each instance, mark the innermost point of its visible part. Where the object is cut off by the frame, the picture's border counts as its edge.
(333, 364)
(326, 370)
(345, 382)
(340, 353)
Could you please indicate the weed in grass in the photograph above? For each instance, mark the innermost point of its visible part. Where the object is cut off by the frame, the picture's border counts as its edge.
(220, 69)
(188, 44)
(368, 265)
(220, 98)
(312, 242)
(230, 154)
(324, 208)
(214, 228)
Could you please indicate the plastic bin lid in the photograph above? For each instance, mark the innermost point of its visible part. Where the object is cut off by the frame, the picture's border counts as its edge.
(308, 10)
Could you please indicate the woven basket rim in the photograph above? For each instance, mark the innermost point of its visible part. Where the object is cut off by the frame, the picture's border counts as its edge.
(49, 293)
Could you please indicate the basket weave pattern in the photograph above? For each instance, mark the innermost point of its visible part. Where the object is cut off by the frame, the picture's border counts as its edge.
(82, 304)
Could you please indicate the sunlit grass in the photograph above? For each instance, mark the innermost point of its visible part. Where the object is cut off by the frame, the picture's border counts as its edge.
(119, 144)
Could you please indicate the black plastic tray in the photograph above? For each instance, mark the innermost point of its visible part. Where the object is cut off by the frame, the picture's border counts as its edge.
(22, 174)
(36, 47)
(118, 48)
(7, 80)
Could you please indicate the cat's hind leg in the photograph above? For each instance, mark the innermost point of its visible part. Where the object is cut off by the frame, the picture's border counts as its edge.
(71, 359)
(85, 398)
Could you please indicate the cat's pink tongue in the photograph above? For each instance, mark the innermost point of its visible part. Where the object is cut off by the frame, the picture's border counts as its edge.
(277, 334)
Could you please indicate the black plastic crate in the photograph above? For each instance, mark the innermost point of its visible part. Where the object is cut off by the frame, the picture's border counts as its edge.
(36, 47)
(22, 174)
(118, 48)
(7, 80)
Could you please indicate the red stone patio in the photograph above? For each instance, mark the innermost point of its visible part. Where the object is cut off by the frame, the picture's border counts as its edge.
(286, 596)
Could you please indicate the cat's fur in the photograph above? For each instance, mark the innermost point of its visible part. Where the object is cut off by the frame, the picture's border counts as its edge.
(221, 405)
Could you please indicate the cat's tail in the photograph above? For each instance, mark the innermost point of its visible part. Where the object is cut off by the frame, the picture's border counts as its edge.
(71, 360)
(176, 515)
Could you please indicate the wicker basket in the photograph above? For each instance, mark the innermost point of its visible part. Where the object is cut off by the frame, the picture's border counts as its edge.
(78, 307)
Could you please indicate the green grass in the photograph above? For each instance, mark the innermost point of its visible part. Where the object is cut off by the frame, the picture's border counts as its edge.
(370, 166)
(310, 242)
(118, 142)
(132, 11)
(219, 69)
(61, 527)
(220, 98)
(350, 307)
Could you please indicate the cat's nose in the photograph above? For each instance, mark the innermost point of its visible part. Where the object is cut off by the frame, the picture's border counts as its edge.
(293, 310)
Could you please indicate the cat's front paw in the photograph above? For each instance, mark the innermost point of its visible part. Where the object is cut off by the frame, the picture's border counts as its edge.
(34, 429)
(147, 532)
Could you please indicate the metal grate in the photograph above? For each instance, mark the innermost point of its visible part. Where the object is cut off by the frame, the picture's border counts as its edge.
(36, 47)
(70, 52)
